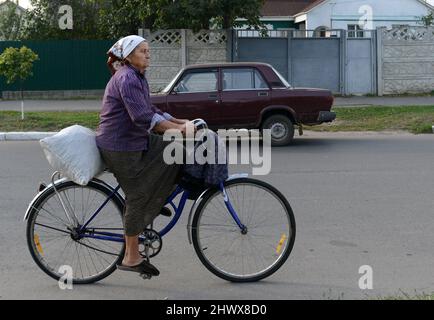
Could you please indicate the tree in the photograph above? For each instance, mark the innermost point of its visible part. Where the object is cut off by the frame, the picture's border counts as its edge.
(16, 65)
(227, 11)
(43, 20)
(119, 18)
(197, 14)
(125, 17)
(10, 22)
(105, 19)
(92, 19)
(185, 14)
(428, 20)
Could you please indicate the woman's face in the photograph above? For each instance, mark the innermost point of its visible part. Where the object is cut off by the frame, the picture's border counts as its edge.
(140, 57)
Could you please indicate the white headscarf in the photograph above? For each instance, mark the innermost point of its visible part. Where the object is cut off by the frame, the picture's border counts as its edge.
(125, 46)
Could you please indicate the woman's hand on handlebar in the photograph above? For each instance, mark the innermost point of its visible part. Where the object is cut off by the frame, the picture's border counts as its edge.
(188, 128)
(180, 121)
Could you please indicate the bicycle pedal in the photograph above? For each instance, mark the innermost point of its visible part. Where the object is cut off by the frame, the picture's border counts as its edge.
(146, 276)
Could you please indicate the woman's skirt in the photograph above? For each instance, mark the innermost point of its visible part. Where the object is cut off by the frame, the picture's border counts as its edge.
(146, 180)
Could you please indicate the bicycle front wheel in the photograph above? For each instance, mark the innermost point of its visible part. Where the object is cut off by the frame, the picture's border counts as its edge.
(244, 255)
(53, 240)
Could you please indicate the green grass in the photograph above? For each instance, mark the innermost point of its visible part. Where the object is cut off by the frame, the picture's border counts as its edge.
(417, 120)
(414, 119)
(46, 121)
(56, 98)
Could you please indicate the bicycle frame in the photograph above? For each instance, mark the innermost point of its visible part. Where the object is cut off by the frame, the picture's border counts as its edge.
(84, 232)
(108, 236)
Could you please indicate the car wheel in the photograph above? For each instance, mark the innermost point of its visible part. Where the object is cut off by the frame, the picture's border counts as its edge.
(282, 129)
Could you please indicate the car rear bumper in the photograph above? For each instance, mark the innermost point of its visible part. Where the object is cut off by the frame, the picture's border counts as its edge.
(326, 116)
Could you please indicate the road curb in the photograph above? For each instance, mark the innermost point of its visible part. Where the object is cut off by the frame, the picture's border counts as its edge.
(24, 136)
(36, 136)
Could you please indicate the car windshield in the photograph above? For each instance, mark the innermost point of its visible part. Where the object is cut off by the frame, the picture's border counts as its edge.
(170, 85)
(285, 83)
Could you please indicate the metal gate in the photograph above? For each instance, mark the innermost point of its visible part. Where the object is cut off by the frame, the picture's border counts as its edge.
(316, 62)
(361, 64)
(269, 50)
(314, 59)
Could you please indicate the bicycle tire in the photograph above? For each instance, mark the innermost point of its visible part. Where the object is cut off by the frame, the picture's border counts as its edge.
(45, 196)
(216, 270)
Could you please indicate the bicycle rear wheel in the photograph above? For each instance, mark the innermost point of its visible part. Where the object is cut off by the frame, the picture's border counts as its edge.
(51, 239)
(255, 253)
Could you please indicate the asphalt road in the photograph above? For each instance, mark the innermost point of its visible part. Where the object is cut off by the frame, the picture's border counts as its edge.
(359, 199)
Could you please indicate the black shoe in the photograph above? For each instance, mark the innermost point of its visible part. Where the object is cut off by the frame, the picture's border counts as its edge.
(150, 269)
(143, 267)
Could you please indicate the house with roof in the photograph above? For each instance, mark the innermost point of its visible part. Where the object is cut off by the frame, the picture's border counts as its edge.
(355, 16)
(359, 15)
(279, 14)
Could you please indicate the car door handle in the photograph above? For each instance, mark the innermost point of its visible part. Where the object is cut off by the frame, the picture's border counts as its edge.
(262, 94)
(213, 97)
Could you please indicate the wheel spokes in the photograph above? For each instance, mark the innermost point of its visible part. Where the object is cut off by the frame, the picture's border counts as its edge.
(57, 244)
(233, 253)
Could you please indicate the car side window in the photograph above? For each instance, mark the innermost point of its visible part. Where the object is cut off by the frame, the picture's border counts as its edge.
(243, 79)
(198, 82)
(259, 81)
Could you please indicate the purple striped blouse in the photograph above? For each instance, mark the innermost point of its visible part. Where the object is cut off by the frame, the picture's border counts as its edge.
(127, 114)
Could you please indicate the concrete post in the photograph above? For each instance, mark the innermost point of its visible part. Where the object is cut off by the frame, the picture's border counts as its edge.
(184, 52)
(343, 62)
(229, 45)
(380, 80)
(289, 56)
(374, 53)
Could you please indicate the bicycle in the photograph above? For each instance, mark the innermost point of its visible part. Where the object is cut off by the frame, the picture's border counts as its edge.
(242, 231)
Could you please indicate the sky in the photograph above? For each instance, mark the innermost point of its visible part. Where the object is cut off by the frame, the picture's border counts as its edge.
(24, 3)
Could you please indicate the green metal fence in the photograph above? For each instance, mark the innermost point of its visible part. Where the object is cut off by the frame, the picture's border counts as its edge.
(64, 65)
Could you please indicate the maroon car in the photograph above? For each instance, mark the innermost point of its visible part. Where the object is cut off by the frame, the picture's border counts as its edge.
(244, 95)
